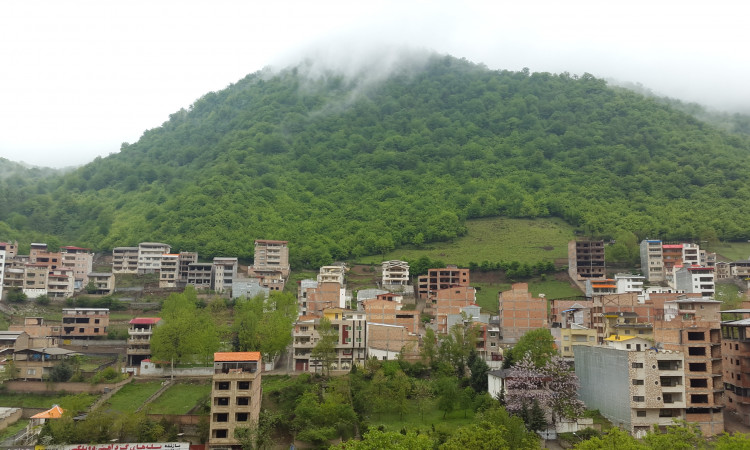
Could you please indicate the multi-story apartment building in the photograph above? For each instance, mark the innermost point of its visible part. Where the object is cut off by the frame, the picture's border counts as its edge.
(332, 274)
(184, 260)
(149, 256)
(740, 269)
(395, 273)
(85, 322)
(389, 342)
(351, 345)
(444, 302)
(652, 260)
(125, 260)
(672, 254)
(735, 351)
(235, 397)
(634, 389)
(2, 272)
(102, 282)
(10, 248)
(271, 255)
(723, 270)
(169, 274)
(80, 261)
(691, 254)
(390, 313)
(695, 280)
(629, 283)
(225, 270)
(314, 300)
(436, 279)
(692, 327)
(520, 312)
(139, 338)
(60, 283)
(200, 275)
(35, 279)
(586, 260)
(567, 338)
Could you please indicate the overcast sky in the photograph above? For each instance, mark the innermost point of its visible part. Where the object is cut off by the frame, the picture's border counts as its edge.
(78, 78)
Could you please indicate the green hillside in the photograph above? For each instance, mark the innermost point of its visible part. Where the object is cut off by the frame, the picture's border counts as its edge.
(349, 166)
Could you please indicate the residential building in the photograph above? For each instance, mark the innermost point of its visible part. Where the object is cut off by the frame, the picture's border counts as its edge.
(2, 271)
(332, 274)
(567, 338)
(36, 363)
(183, 260)
(586, 260)
(351, 346)
(60, 283)
(248, 288)
(723, 270)
(635, 390)
(520, 312)
(388, 312)
(691, 255)
(566, 312)
(389, 342)
(102, 282)
(10, 248)
(629, 283)
(395, 273)
(695, 280)
(437, 279)
(225, 270)
(652, 260)
(691, 325)
(447, 301)
(200, 275)
(235, 397)
(35, 279)
(125, 260)
(169, 274)
(600, 286)
(735, 350)
(85, 322)
(80, 261)
(313, 300)
(43, 335)
(271, 255)
(140, 331)
(740, 269)
(149, 256)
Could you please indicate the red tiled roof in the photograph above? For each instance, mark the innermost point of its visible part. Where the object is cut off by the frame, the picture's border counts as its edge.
(145, 320)
(671, 246)
(236, 356)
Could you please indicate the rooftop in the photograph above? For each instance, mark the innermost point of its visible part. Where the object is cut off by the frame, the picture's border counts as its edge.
(236, 356)
(145, 320)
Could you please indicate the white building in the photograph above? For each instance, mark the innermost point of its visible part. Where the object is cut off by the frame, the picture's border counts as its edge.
(652, 260)
(2, 272)
(149, 256)
(629, 283)
(395, 272)
(695, 280)
(333, 273)
(225, 270)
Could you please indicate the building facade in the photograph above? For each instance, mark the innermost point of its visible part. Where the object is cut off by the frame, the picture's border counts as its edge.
(85, 322)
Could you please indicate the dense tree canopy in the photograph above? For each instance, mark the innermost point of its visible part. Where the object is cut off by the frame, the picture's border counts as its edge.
(343, 166)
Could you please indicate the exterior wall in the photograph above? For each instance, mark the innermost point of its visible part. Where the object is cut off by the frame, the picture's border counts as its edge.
(324, 295)
(200, 275)
(80, 261)
(437, 279)
(169, 274)
(60, 283)
(385, 312)
(652, 260)
(586, 259)
(735, 349)
(149, 256)
(248, 288)
(388, 341)
(104, 282)
(567, 338)
(450, 301)
(695, 280)
(331, 274)
(85, 322)
(271, 255)
(520, 312)
(10, 248)
(35, 280)
(352, 342)
(629, 283)
(125, 260)
(230, 388)
(225, 270)
(395, 272)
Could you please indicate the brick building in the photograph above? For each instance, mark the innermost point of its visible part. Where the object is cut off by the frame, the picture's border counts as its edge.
(586, 260)
(520, 312)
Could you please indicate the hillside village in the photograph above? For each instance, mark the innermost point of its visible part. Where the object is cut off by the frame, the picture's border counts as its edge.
(647, 349)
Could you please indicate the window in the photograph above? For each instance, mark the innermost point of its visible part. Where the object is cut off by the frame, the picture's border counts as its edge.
(31, 372)
(697, 351)
(696, 335)
(566, 338)
(637, 365)
(241, 417)
(243, 401)
(96, 330)
(640, 413)
(639, 398)
(698, 382)
(222, 385)
(697, 367)
(566, 349)
(243, 385)
(221, 417)
(221, 401)
(627, 346)
(637, 382)
(220, 434)
(699, 398)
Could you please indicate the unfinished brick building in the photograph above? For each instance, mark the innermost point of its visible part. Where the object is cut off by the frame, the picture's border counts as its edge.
(520, 312)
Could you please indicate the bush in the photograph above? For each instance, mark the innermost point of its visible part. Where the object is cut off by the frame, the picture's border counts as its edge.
(108, 375)
(42, 300)
(16, 295)
(61, 372)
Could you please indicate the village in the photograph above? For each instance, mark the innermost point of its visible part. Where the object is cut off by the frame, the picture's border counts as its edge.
(647, 348)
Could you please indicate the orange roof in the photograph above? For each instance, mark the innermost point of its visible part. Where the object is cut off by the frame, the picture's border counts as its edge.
(236, 356)
(307, 317)
(53, 413)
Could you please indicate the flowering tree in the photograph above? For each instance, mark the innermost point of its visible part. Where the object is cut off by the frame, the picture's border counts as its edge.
(552, 386)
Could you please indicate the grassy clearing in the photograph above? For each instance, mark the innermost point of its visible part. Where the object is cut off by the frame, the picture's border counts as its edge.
(18, 400)
(730, 295)
(180, 398)
(132, 396)
(487, 295)
(13, 429)
(414, 421)
(495, 239)
(554, 289)
(731, 251)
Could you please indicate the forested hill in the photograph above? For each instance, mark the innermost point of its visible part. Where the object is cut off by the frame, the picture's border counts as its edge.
(342, 167)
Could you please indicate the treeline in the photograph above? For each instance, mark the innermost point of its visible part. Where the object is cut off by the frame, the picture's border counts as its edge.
(343, 168)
